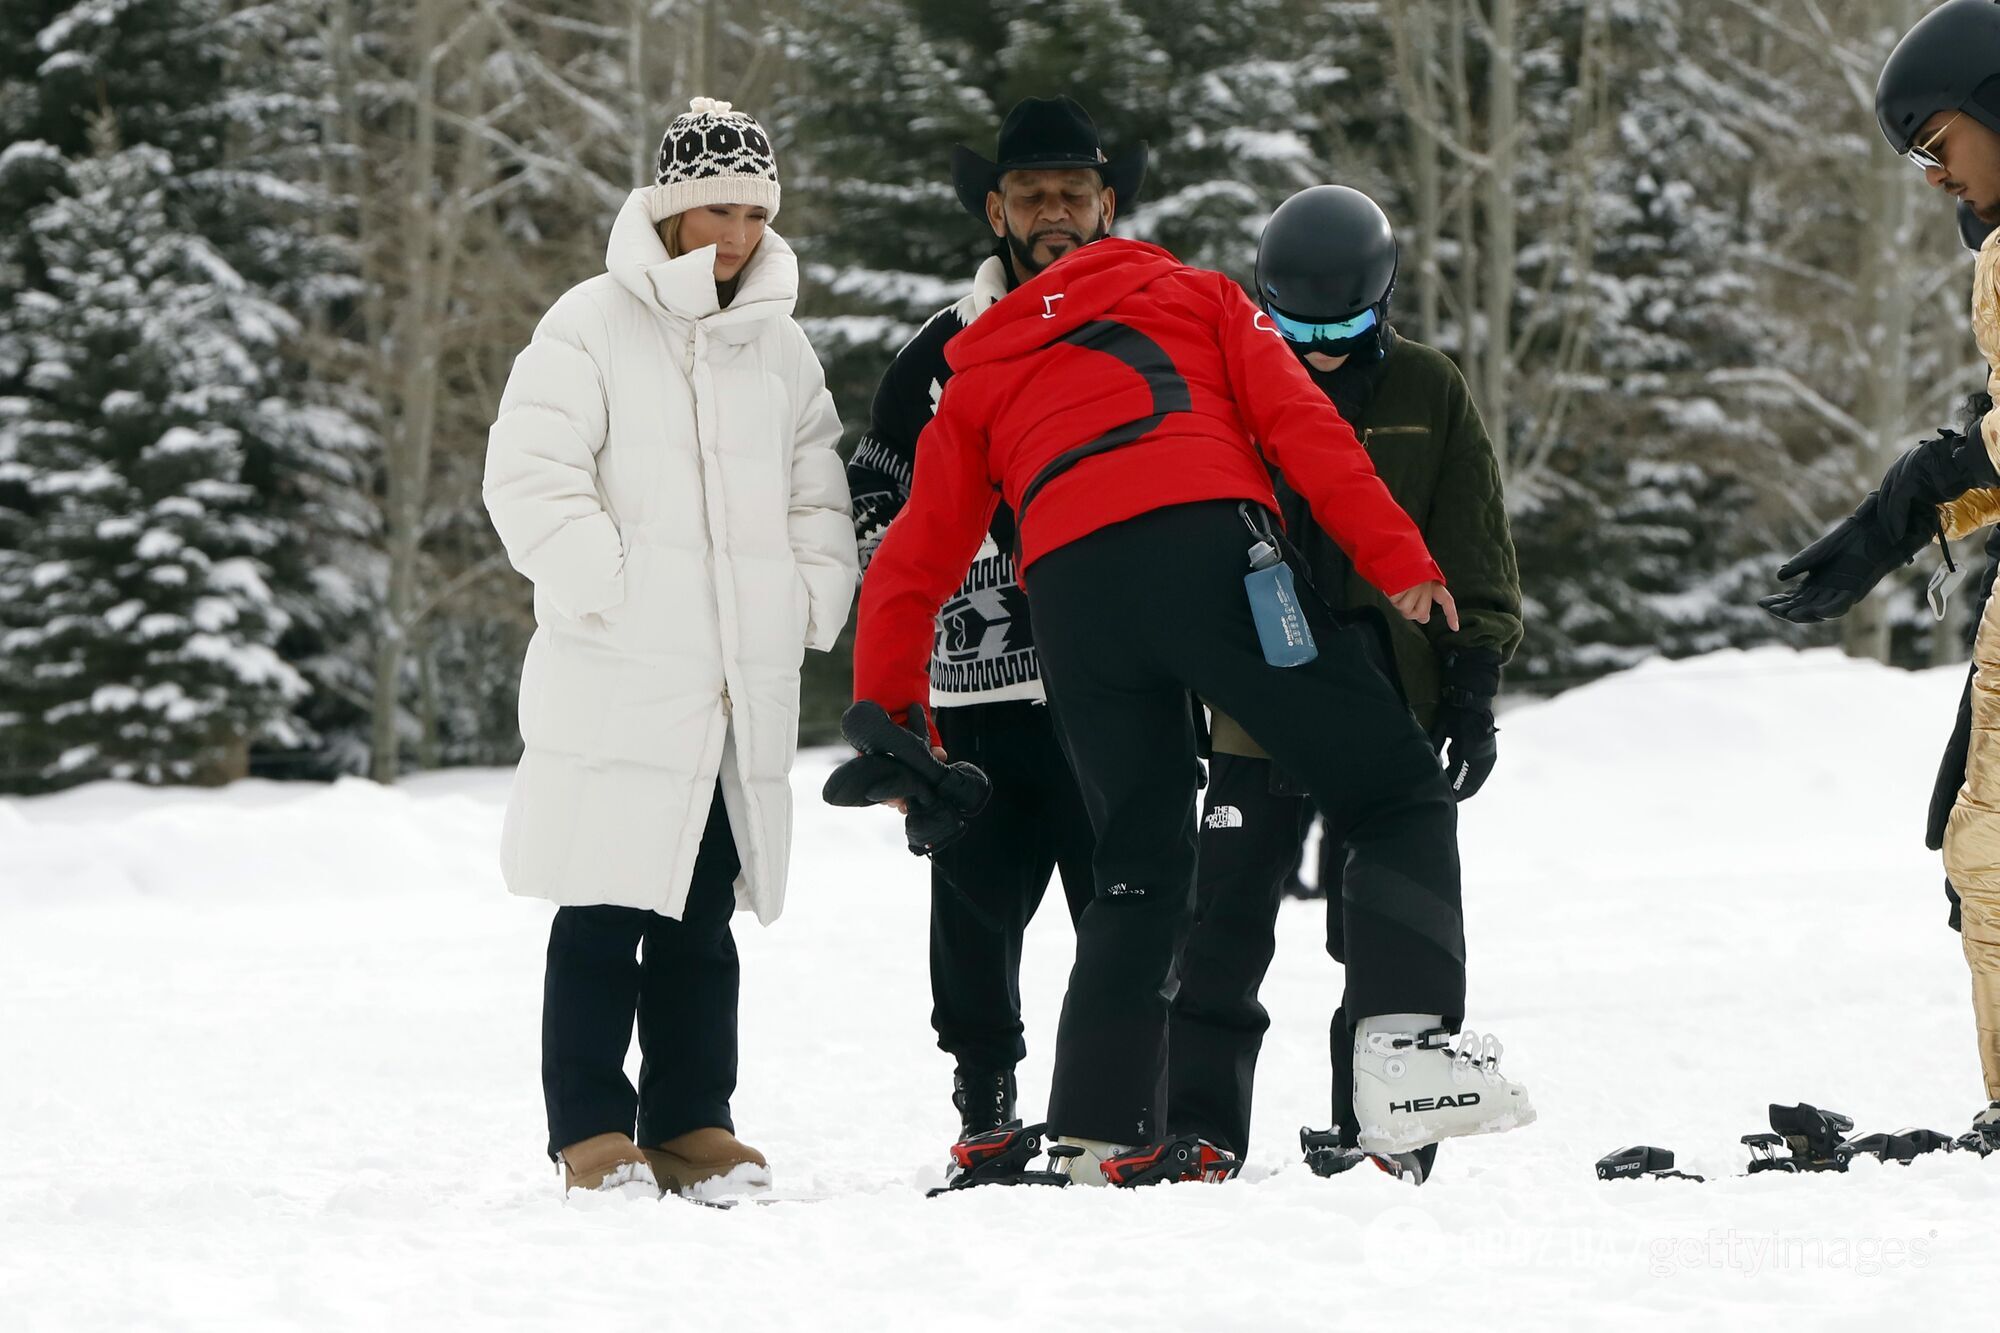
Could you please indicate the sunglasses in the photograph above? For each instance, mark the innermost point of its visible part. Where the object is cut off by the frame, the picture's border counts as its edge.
(1925, 155)
(1306, 334)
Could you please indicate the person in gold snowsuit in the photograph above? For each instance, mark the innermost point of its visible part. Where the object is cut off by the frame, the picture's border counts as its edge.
(1938, 104)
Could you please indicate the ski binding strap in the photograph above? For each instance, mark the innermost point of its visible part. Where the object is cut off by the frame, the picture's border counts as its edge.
(998, 1157)
(1188, 1157)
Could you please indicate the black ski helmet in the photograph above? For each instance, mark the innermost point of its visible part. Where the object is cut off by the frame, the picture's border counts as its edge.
(1949, 61)
(1329, 254)
(1946, 62)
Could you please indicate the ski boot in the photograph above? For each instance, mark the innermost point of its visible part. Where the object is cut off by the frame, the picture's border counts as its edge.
(1415, 1085)
(1813, 1136)
(1904, 1146)
(1328, 1156)
(1984, 1136)
(999, 1157)
(985, 1101)
(1188, 1157)
(1633, 1163)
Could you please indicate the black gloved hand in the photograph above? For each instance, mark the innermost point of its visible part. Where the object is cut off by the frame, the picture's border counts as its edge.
(1938, 470)
(895, 763)
(1463, 730)
(1840, 568)
(1885, 532)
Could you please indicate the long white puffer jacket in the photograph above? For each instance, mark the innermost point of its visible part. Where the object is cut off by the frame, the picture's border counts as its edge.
(664, 471)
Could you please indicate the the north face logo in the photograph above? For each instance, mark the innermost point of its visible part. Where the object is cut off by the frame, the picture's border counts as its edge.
(1224, 816)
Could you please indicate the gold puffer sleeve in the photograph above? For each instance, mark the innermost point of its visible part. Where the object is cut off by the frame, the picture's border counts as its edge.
(1969, 512)
(1986, 330)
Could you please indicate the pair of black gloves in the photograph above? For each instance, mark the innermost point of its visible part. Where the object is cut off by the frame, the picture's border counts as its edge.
(894, 762)
(1897, 520)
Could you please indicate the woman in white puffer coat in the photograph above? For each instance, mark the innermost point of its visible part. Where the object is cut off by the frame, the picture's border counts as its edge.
(664, 470)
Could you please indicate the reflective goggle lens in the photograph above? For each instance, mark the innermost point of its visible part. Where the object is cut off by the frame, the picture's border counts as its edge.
(1298, 331)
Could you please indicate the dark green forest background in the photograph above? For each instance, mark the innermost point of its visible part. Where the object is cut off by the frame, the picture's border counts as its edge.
(263, 268)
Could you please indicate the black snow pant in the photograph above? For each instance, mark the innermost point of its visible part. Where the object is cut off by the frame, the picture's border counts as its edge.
(683, 994)
(986, 886)
(1248, 844)
(1128, 620)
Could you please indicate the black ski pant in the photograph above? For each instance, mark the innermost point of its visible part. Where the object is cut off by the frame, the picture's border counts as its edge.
(683, 994)
(1249, 839)
(1128, 620)
(986, 886)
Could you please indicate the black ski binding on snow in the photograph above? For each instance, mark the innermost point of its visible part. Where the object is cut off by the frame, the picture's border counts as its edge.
(1813, 1136)
(1188, 1157)
(1328, 1157)
(999, 1157)
(1642, 1161)
(1904, 1146)
(895, 763)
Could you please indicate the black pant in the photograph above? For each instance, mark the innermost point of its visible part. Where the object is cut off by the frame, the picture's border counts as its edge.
(1248, 844)
(986, 886)
(1128, 620)
(683, 993)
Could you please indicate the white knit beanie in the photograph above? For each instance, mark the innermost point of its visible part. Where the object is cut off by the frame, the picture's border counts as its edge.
(713, 155)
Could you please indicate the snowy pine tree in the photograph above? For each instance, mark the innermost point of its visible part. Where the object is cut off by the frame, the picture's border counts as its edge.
(209, 109)
(139, 630)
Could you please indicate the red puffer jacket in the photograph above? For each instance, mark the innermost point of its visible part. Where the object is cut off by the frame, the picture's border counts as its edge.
(1119, 381)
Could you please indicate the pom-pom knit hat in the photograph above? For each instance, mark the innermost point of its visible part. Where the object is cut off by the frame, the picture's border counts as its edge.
(714, 155)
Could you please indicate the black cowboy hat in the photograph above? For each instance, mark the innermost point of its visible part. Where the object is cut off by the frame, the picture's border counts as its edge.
(1045, 134)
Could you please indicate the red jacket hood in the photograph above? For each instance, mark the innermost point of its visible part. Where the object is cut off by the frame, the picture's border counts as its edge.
(1064, 297)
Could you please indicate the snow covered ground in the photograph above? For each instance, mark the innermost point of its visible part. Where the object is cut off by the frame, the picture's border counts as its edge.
(269, 1060)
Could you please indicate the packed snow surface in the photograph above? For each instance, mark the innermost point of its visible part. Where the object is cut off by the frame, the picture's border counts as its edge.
(270, 1061)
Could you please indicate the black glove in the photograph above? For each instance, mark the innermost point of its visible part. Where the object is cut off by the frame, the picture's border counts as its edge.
(1940, 469)
(1463, 729)
(896, 763)
(1885, 532)
(1841, 567)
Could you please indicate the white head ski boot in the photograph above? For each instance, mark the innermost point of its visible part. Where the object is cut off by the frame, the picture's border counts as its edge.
(1414, 1083)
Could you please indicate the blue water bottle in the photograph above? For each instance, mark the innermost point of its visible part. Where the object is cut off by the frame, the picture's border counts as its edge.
(1274, 605)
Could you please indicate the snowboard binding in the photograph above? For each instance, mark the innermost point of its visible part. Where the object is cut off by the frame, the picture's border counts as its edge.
(1188, 1157)
(895, 763)
(998, 1157)
(1329, 1157)
(1642, 1161)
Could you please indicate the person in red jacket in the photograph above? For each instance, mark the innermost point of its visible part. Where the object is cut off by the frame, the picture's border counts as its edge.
(1117, 403)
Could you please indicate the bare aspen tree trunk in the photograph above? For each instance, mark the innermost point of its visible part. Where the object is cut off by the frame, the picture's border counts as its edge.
(406, 441)
(1458, 76)
(1413, 29)
(641, 110)
(1885, 386)
(1499, 257)
(1888, 287)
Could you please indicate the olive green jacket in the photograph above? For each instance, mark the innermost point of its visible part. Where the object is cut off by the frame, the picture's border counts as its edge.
(1430, 448)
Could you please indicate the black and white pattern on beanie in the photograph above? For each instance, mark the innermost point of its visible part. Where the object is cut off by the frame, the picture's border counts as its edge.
(713, 154)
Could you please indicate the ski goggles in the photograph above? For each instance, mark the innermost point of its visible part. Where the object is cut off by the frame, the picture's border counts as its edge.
(1307, 334)
(1925, 154)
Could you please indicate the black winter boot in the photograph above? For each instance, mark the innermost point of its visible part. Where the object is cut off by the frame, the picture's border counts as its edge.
(985, 1100)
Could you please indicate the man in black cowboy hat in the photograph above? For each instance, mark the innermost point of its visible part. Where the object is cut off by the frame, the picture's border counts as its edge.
(1051, 191)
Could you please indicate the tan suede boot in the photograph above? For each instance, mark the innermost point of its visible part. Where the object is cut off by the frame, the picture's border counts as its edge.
(708, 1163)
(605, 1162)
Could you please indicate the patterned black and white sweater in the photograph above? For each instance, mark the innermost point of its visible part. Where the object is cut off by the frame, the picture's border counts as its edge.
(984, 651)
